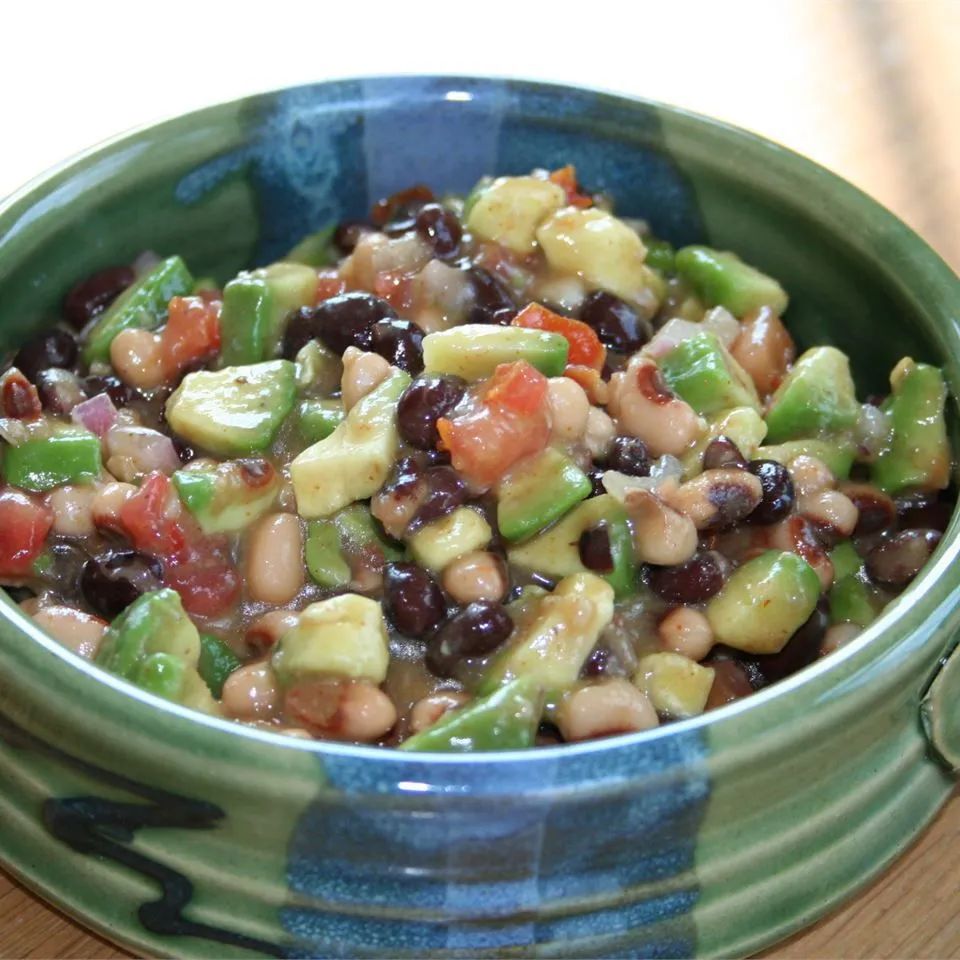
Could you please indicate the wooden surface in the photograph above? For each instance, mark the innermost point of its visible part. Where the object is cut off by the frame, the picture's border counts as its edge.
(869, 88)
(911, 911)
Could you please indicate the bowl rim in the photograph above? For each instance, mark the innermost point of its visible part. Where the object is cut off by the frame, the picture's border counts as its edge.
(82, 676)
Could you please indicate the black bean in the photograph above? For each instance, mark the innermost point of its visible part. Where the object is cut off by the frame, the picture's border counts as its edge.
(339, 322)
(898, 560)
(399, 342)
(185, 452)
(474, 631)
(399, 226)
(437, 458)
(596, 483)
(695, 581)
(492, 302)
(616, 323)
(923, 510)
(723, 452)
(348, 232)
(112, 386)
(422, 404)
(60, 390)
(441, 229)
(63, 570)
(594, 548)
(875, 510)
(56, 348)
(629, 455)
(412, 599)
(598, 661)
(112, 581)
(778, 495)
(445, 491)
(93, 295)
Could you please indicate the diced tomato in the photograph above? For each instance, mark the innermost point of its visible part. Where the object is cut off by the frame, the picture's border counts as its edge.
(566, 177)
(329, 284)
(508, 421)
(204, 577)
(192, 333)
(24, 524)
(396, 288)
(585, 346)
(151, 518)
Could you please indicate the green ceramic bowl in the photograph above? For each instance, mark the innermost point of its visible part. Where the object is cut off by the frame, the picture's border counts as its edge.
(188, 836)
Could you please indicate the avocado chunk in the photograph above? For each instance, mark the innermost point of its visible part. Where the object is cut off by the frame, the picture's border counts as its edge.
(143, 304)
(354, 461)
(474, 350)
(538, 491)
(345, 636)
(255, 304)
(853, 599)
(330, 545)
(233, 411)
(155, 645)
(677, 686)
(216, 662)
(440, 543)
(508, 210)
(722, 279)
(317, 419)
(506, 719)
(315, 249)
(552, 643)
(918, 455)
(556, 552)
(230, 496)
(764, 602)
(817, 397)
(68, 455)
(836, 452)
(701, 371)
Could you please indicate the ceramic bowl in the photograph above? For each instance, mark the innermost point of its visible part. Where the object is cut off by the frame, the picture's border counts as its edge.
(188, 836)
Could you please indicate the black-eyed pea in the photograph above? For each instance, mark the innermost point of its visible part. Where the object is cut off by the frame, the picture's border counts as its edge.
(478, 575)
(661, 535)
(569, 409)
(362, 372)
(78, 631)
(810, 475)
(275, 570)
(251, 692)
(715, 499)
(831, 510)
(72, 507)
(427, 711)
(599, 433)
(265, 632)
(604, 709)
(686, 631)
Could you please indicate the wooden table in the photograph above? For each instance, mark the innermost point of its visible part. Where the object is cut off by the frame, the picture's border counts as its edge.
(869, 88)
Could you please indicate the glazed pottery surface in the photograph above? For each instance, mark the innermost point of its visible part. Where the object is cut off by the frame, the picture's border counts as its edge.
(187, 836)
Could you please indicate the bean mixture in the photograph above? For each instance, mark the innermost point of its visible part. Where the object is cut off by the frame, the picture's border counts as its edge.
(474, 473)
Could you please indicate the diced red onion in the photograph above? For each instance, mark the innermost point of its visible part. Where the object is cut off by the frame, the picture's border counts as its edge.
(98, 414)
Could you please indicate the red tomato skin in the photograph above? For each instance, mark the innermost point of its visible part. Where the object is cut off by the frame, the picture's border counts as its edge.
(25, 522)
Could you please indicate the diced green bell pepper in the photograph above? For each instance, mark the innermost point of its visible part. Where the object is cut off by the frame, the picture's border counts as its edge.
(723, 279)
(852, 598)
(143, 305)
(660, 255)
(228, 497)
(42, 463)
(325, 560)
(216, 662)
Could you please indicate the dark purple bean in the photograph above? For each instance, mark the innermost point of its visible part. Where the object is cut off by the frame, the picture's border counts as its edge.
(730, 682)
(112, 581)
(445, 491)
(474, 631)
(594, 548)
(898, 560)
(492, 302)
(56, 348)
(875, 510)
(437, 458)
(723, 452)
(60, 390)
(185, 452)
(732, 495)
(339, 322)
(616, 323)
(441, 229)
(348, 232)
(400, 226)
(399, 342)
(923, 511)
(112, 386)
(422, 404)
(778, 495)
(412, 599)
(692, 582)
(597, 663)
(629, 455)
(95, 294)
(596, 483)
(63, 570)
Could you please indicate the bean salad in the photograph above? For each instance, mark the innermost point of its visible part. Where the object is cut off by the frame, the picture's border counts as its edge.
(473, 473)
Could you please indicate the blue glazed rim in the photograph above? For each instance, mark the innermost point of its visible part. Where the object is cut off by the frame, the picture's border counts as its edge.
(615, 760)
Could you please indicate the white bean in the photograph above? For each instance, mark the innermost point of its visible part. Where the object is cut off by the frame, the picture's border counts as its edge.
(599, 433)
(251, 692)
(78, 631)
(831, 509)
(72, 507)
(137, 358)
(478, 575)
(810, 475)
(661, 535)
(106, 504)
(362, 372)
(275, 572)
(603, 709)
(429, 710)
(265, 632)
(569, 409)
(686, 631)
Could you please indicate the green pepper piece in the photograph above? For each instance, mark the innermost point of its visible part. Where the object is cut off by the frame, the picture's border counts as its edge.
(196, 488)
(315, 249)
(255, 304)
(660, 255)
(325, 561)
(143, 305)
(852, 598)
(317, 419)
(216, 662)
(506, 719)
(722, 278)
(42, 463)
(918, 456)
(229, 497)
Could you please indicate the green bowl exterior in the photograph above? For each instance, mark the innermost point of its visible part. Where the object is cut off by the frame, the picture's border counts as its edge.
(188, 836)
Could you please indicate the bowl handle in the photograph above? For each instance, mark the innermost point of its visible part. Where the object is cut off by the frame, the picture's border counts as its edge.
(940, 711)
